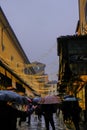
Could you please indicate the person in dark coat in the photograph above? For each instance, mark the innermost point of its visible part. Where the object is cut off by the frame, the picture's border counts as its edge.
(75, 113)
(48, 111)
(8, 116)
(66, 110)
(38, 112)
(29, 106)
(29, 111)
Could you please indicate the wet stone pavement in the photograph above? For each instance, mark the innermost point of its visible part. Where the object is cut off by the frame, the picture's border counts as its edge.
(40, 125)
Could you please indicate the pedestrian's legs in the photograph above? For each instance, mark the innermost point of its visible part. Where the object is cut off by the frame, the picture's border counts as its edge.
(39, 117)
(20, 122)
(46, 123)
(76, 123)
(29, 118)
(52, 123)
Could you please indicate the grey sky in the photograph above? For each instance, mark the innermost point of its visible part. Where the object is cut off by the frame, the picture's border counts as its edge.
(38, 23)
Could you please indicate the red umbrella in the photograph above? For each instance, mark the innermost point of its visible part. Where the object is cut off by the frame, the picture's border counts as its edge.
(50, 99)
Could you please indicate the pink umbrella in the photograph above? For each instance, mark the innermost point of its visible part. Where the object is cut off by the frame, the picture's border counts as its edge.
(50, 99)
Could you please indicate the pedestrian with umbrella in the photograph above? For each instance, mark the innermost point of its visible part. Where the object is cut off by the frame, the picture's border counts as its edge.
(38, 111)
(8, 113)
(48, 116)
(72, 110)
(29, 112)
(10, 96)
(49, 106)
(75, 113)
(29, 107)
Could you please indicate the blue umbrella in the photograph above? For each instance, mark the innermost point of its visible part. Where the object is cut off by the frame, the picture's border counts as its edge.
(36, 99)
(10, 96)
(71, 99)
(68, 96)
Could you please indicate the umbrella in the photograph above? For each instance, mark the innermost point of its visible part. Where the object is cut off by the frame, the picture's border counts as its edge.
(50, 99)
(68, 96)
(37, 99)
(71, 99)
(10, 96)
(27, 99)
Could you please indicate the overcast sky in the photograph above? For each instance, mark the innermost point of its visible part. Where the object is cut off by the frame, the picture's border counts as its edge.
(38, 23)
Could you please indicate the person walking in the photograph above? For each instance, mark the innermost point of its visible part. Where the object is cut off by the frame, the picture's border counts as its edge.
(38, 112)
(28, 112)
(66, 110)
(75, 113)
(29, 107)
(8, 116)
(48, 116)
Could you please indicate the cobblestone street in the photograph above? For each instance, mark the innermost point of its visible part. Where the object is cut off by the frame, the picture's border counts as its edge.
(40, 125)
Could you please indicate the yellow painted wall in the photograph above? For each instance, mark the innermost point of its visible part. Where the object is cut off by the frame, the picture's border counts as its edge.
(82, 18)
(10, 49)
(12, 54)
